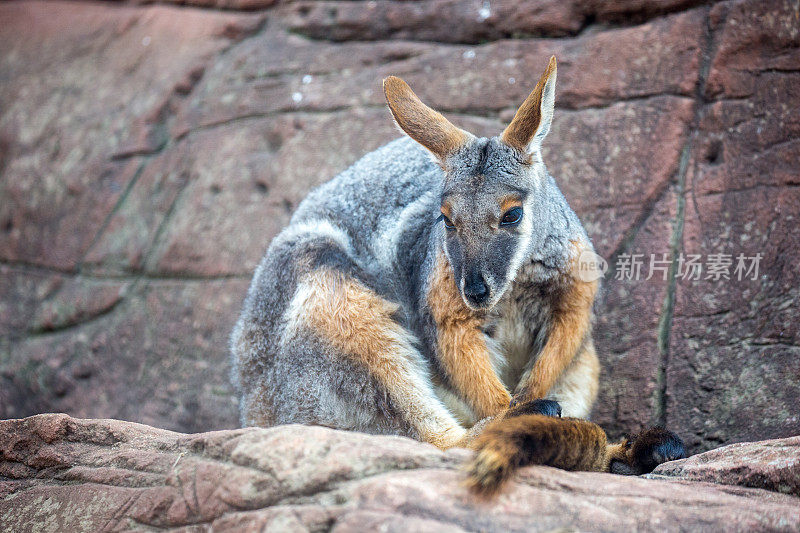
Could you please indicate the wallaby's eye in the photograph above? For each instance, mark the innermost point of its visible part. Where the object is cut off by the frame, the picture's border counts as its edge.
(447, 224)
(512, 217)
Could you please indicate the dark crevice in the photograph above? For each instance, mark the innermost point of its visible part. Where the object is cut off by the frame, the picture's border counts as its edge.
(576, 107)
(781, 186)
(476, 112)
(676, 241)
(259, 115)
(114, 210)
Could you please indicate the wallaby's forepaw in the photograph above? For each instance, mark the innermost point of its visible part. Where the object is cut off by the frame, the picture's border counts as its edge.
(534, 407)
(648, 449)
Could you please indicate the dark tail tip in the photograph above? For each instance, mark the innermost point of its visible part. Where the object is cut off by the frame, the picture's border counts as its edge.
(654, 446)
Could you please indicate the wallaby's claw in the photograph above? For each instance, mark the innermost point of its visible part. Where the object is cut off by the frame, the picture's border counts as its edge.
(535, 407)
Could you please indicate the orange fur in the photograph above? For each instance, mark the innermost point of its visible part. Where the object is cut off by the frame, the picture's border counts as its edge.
(516, 440)
(463, 352)
(617, 451)
(508, 443)
(526, 121)
(420, 122)
(570, 325)
(508, 202)
(358, 322)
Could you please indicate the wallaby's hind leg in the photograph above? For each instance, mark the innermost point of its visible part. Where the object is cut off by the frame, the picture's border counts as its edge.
(576, 388)
(358, 324)
(303, 381)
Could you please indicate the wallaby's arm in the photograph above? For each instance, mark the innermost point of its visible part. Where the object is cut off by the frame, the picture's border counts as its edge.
(461, 346)
(569, 326)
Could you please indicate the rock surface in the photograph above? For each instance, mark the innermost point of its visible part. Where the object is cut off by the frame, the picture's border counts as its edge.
(772, 465)
(67, 474)
(150, 151)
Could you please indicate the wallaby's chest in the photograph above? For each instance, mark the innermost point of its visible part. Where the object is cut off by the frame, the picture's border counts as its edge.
(519, 325)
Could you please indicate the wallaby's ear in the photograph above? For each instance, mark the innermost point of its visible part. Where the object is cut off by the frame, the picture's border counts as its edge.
(420, 122)
(532, 121)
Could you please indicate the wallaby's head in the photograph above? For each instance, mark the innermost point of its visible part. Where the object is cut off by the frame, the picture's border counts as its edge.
(491, 186)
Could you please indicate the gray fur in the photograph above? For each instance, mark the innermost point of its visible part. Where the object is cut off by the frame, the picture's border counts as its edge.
(385, 207)
(378, 223)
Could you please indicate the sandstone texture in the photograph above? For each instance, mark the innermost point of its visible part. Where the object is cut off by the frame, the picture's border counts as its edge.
(149, 151)
(63, 474)
(772, 465)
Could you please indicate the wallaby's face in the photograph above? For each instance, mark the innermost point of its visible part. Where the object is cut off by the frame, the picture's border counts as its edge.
(488, 186)
(485, 216)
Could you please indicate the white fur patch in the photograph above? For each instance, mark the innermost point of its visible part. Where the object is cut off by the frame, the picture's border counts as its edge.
(384, 244)
(320, 227)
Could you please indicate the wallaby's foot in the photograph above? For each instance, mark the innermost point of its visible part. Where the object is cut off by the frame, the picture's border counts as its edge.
(534, 407)
(647, 450)
(449, 438)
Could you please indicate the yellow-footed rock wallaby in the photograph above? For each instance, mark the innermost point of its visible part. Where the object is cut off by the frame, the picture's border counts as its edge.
(432, 285)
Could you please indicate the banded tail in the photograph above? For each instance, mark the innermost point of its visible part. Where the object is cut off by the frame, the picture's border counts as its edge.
(525, 437)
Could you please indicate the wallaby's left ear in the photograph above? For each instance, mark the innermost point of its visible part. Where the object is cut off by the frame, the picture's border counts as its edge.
(422, 123)
(532, 121)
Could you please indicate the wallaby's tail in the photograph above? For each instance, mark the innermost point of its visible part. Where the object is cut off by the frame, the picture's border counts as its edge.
(509, 443)
(518, 440)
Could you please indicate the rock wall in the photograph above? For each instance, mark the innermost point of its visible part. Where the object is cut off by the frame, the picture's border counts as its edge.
(148, 153)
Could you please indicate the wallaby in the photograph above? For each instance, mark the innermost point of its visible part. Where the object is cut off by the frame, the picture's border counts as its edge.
(418, 295)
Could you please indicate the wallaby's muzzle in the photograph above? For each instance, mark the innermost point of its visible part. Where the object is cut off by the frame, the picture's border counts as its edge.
(476, 291)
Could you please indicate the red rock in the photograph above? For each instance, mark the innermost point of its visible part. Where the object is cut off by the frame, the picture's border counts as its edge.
(67, 113)
(450, 21)
(733, 371)
(78, 301)
(626, 11)
(757, 43)
(595, 156)
(773, 465)
(158, 357)
(87, 474)
(627, 326)
(21, 294)
(132, 230)
(236, 5)
(256, 81)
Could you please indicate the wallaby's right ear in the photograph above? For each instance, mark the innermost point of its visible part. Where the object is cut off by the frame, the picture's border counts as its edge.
(532, 121)
(422, 123)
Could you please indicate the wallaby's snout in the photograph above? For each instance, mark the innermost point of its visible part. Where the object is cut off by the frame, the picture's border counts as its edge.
(475, 289)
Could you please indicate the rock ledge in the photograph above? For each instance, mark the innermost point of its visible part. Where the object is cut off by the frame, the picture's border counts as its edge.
(89, 475)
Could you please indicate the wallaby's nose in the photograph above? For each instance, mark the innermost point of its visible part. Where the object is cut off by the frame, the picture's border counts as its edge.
(475, 288)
